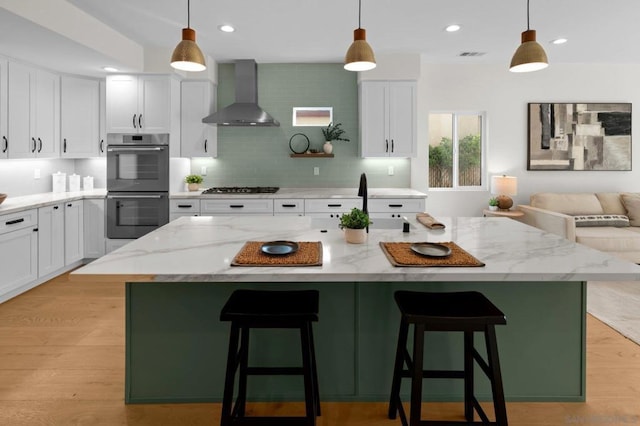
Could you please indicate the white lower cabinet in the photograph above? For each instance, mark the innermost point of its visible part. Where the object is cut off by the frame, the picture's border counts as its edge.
(394, 208)
(183, 207)
(288, 207)
(231, 206)
(18, 251)
(73, 231)
(94, 229)
(50, 239)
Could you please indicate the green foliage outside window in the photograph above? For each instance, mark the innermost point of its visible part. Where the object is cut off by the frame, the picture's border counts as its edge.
(441, 161)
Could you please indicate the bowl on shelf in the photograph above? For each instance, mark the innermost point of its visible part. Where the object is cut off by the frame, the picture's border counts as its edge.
(2, 197)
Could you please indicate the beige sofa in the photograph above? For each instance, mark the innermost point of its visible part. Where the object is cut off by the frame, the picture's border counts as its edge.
(606, 221)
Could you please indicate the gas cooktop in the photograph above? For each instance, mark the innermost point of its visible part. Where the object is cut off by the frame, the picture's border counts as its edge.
(242, 190)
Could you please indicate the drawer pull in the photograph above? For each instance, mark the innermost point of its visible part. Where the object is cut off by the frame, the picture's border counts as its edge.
(55, 207)
(13, 222)
(184, 206)
(288, 205)
(334, 205)
(236, 206)
(395, 205)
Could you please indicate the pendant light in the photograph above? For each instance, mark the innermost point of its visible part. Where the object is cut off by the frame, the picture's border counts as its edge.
(187, 56)
(530, 56)
(359, 57)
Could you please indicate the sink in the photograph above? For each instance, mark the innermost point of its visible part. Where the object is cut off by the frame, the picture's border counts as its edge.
(377, 223)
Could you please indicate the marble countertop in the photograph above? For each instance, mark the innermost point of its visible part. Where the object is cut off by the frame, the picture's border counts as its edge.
(25, 202)
(200, 249)
(313, 193)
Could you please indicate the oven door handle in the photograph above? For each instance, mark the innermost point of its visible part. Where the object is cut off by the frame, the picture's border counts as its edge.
(155, 197)
(133, 148)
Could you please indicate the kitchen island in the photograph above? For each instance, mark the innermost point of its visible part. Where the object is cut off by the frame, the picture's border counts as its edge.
(179, 276)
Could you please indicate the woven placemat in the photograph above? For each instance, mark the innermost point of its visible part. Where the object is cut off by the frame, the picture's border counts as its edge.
(309, 254)
(400, 254)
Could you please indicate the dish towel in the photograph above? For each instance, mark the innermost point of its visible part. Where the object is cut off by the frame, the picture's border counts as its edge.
(429, 221)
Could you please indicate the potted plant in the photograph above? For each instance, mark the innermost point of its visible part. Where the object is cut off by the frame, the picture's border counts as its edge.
(354, 224)
(193, 182)
(332, 133)
(493, 203)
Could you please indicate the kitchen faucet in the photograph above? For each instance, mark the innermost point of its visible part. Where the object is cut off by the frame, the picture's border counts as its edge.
(362, 192)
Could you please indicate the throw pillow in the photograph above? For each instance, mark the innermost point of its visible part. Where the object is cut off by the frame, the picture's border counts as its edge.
(632, 204)
(616, 220)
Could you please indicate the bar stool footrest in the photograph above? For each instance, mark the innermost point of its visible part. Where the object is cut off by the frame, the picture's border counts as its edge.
(270, 421)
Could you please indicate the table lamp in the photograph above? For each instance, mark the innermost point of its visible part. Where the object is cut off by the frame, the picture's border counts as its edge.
(504, 186)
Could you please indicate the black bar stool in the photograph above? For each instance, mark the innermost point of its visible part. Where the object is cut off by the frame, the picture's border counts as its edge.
(248, 309)
(467, 312)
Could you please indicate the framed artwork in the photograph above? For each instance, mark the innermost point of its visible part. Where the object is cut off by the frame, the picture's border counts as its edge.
(312, 116)
(579, 136)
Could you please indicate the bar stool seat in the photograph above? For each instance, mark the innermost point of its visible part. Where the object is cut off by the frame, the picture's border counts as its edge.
(467, 312)
(248, 309)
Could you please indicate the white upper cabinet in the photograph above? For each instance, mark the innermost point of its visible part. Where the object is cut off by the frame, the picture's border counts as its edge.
(388, 118)
(198, 100)
(34, 119)
(79, 114)
(4, 142)
(143, 104)
(102, 150)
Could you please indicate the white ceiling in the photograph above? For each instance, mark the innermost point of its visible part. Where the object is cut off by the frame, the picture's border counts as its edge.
(599, 31)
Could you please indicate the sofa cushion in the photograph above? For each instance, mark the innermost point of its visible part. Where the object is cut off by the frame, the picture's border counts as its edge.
(608, 238)
(632, 204)
(611, 202)
(616, 220)
(567, 203)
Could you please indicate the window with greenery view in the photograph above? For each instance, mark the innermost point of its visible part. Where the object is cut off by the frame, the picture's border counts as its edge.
(456, 146)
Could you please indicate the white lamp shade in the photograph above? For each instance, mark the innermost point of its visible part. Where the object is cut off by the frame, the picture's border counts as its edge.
(504, 185)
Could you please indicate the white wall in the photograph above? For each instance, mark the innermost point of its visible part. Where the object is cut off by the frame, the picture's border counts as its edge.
(504, 97)
(16, 176)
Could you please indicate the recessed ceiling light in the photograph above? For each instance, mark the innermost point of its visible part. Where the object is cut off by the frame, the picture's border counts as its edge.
(452, 28)
(559, 41)
(226, 28)
(110, 69)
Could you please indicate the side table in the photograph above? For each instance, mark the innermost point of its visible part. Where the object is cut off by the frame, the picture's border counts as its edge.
(502, 213)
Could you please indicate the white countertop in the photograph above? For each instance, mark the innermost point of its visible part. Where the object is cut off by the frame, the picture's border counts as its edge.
(25, 202)
(200, 249)
(313, 193)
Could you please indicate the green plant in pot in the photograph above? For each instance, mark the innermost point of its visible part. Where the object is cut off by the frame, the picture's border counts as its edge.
(193, 182)
(353, 224)
(493, 203)
(333, 132)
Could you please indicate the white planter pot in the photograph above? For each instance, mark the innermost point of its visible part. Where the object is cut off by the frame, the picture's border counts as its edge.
(355, 236)
(327, 147)
(493, 208)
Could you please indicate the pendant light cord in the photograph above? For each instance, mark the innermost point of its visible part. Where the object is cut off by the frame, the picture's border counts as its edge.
(527, 15)
(360, 11)
(189, 13)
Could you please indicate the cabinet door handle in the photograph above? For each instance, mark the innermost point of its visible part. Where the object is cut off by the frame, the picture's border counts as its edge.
(64, 145)
(386, 145)
(69, 205)
(6, 144)
(184, 206)
(395, 205)
(288, 205)
(101, 145)
(134, 121)
(140, 121)
(55, 207)
(392, 145)
(35, 229)
(40, 145)
(334, 205)
(205, 146)
(34, 144)
(13, 222)
(236, 206)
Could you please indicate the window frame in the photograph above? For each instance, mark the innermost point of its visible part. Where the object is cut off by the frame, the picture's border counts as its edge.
(455, 146)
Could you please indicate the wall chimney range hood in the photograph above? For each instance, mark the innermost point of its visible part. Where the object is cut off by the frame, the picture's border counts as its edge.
(245, 111)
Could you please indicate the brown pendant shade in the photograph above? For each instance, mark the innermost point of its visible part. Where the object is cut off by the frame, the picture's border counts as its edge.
(187, 56)
(359, 56)
(529, 56)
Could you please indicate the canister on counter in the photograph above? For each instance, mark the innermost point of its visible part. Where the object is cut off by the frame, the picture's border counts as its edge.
(87, 183)
(74, 182)
(59, 182)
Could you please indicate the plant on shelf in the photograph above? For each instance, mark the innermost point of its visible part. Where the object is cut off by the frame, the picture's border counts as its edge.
(354, 224)
(332, 133)
(193, 182)
(493, 203)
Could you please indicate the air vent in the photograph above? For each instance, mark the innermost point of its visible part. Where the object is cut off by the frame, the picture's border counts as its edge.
(472, 54)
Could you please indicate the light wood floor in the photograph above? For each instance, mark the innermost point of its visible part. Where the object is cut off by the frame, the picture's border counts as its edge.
(62, 363)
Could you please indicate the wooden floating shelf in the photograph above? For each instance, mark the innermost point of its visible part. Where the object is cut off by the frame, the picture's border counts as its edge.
(312, 155)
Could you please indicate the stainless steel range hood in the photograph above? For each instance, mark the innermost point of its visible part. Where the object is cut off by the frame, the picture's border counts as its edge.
(245, 111)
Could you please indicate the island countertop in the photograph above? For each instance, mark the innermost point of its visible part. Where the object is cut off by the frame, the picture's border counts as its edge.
(201, 249)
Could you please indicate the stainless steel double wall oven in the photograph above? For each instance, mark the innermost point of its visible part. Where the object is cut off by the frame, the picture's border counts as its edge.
(137, 184)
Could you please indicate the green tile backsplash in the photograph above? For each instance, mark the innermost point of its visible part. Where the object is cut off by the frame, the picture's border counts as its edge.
(252, 156)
